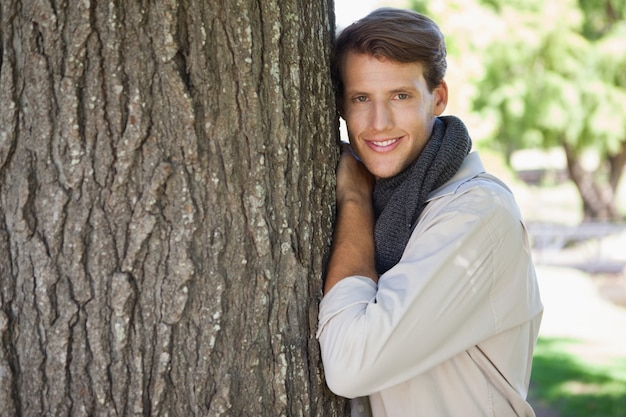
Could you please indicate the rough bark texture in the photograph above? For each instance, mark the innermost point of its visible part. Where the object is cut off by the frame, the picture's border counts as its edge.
(166, 189)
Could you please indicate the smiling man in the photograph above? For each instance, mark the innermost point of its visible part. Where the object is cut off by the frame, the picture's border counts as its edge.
(431, 305)
(390, 109)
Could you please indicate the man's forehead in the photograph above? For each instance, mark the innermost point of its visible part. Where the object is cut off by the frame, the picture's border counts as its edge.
(361, 70)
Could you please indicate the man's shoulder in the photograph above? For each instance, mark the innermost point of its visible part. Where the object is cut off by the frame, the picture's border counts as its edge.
(482, 195)
(485, 182)
(471, 182)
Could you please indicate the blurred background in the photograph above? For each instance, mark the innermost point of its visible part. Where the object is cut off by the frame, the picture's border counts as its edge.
(542, 88)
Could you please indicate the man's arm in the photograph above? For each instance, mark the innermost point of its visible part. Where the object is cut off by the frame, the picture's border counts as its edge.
(352, 251)
(466, 276)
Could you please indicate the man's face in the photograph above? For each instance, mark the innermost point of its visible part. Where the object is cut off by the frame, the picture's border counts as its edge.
(388, 110)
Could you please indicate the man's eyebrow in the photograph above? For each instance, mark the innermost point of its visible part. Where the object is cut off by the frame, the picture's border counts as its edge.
(401, 89)
(356, 92)
(404, 89)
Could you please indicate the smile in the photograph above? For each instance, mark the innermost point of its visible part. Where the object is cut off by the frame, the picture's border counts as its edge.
(383, 143)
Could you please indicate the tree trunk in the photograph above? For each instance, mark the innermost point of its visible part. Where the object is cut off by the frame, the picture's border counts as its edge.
(166, 193)
(598, 198)
(617, 162)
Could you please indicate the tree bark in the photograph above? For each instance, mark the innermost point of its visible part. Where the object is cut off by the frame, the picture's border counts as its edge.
(598, 198)
(617, 162)
(166, 196)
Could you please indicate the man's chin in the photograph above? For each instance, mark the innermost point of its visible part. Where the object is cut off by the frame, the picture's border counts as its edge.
(382, 172)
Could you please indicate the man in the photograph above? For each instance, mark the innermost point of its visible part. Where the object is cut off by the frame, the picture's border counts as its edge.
(431, 306)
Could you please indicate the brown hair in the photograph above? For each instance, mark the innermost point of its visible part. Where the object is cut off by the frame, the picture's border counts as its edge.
(399, 35)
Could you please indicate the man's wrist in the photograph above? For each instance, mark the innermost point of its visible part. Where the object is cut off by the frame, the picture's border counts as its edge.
(352, 252)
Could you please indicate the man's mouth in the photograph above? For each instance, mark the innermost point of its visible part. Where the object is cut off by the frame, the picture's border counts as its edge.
(384, 143)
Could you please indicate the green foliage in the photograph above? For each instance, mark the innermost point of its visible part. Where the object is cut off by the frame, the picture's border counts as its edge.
(601, 15)
(536, 73)
(553, 78)
(420, 6)
(574, 387)
(551, 71)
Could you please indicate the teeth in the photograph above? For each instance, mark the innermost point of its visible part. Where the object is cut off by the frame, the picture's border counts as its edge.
(386, 142)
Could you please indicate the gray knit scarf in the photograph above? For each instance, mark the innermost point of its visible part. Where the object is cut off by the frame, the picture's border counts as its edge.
(399, 200)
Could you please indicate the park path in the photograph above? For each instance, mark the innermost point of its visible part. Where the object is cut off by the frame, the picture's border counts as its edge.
(575, 309)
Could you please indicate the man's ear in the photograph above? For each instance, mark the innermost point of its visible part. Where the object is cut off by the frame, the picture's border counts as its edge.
(440, 94)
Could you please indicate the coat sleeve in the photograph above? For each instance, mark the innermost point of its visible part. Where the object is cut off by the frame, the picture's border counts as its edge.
(441, 299)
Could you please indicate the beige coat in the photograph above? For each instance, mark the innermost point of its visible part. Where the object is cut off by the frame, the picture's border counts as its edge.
(450, 330)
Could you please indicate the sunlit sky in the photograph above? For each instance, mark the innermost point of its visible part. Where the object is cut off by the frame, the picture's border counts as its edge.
(347, 11)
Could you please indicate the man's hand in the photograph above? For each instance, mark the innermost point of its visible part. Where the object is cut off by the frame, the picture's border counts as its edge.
(352, 252)
(354, 182)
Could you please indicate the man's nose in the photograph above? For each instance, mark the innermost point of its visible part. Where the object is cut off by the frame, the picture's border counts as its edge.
(382, 117)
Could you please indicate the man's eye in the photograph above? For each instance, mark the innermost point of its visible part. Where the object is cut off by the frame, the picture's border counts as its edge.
(402, 96)
(360, 99)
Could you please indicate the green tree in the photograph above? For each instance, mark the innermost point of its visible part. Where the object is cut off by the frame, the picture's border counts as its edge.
(557, 77)
(545, 74)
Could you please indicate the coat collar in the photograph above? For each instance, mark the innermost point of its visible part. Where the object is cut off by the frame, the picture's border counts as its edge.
(471, 167)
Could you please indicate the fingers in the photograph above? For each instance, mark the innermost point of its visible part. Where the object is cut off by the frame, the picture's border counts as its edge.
(353, 178)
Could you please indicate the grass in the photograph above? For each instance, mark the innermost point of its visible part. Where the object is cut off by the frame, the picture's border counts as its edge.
(573, 387)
